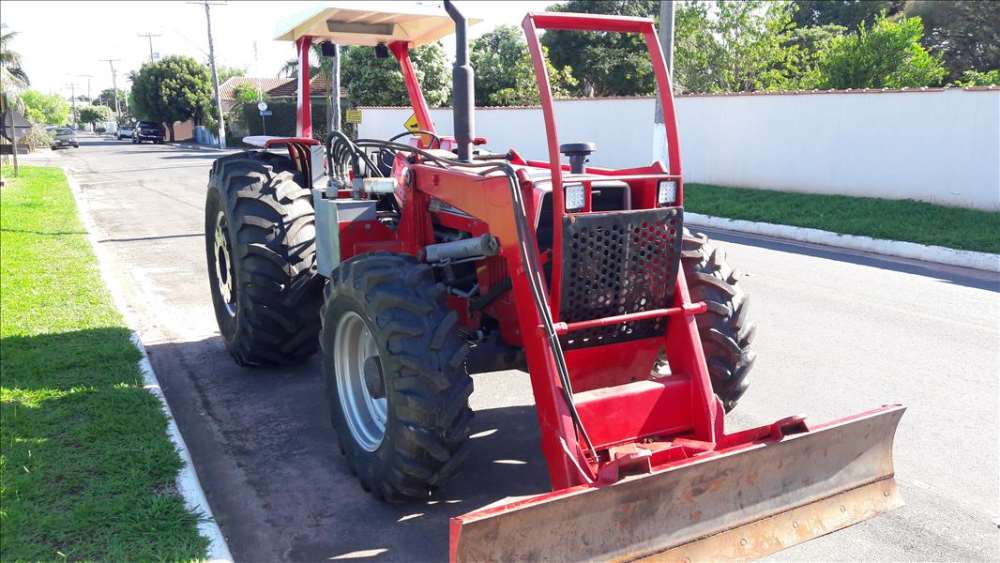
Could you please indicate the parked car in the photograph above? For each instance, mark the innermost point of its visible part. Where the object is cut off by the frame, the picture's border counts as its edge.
(125, 131)
(64, 137)
(148, 131)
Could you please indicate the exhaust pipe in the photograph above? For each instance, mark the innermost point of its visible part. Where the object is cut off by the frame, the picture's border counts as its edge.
(463, 81)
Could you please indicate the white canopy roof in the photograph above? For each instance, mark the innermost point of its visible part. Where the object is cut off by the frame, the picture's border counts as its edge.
(371, 23)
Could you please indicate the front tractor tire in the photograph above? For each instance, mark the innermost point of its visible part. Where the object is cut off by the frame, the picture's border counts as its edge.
(260, 244)
(394, 364)
(725, 331)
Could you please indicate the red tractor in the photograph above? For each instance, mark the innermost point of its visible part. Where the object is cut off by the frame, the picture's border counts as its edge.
(413, 264)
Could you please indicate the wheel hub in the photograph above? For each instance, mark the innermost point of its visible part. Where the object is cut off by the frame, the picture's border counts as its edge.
(374, 381)
(224, 264)
(360, 381)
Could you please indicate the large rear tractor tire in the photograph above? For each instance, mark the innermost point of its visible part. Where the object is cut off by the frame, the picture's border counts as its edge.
(726, 333)
(260, 243)
(395, 371)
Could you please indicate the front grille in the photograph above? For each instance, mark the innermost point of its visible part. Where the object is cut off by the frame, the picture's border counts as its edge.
(618, 263)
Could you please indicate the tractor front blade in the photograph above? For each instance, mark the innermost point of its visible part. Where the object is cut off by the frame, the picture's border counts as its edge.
(740, 502)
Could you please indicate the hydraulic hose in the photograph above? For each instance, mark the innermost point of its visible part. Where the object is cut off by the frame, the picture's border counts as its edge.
(529, 258)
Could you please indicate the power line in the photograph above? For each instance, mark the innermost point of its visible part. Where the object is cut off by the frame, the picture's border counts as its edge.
(150, 36)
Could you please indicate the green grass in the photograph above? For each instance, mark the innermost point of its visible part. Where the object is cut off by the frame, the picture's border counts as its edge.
(913, 221)
(86, 469)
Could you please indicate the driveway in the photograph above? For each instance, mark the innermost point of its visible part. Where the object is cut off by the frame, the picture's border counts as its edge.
(839, 332)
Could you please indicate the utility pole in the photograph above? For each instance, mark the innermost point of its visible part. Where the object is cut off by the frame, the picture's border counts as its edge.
(215, 74)
(666, 34)
(150, 36)
(114, 84)
(72, 101)
(88, 77)
(335, 86)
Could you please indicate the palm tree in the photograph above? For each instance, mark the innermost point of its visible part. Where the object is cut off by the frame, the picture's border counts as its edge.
(12, 80)
(324, 71)
(12, 75)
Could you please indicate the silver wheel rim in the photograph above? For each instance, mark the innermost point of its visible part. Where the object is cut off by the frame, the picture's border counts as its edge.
(224, 265)
(365, 415)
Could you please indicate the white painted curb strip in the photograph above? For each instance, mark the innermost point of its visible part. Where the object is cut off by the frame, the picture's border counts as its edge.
(198, 147)
(964, 258)
(187, 480)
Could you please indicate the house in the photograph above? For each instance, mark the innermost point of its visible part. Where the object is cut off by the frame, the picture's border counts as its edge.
(227, 91)
(273, 89)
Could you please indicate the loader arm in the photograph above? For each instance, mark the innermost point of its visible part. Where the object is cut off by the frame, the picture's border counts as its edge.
(642, 466)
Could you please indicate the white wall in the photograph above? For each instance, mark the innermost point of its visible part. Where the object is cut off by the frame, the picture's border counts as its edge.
(620, 127)
(936, 146)
(941, 146)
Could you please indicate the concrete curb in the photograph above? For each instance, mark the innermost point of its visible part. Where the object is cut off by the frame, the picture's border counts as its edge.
(939, 254)
(197, 147)
(187, 479)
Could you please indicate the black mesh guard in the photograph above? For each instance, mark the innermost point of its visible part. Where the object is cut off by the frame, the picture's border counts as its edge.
(617, 263)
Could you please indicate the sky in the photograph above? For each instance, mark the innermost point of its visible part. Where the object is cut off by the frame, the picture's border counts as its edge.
(62, 42)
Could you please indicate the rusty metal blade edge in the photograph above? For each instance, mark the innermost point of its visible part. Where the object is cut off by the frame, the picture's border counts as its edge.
(686, 504)
(792, 527)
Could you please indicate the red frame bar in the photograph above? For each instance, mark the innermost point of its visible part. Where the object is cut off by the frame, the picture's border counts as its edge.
(686, 309)
(591, 22)
(401, 50)
(304, 101)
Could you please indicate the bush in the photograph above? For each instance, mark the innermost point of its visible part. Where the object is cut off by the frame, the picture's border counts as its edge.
(888, 55)
(36, 138)
(978, 78)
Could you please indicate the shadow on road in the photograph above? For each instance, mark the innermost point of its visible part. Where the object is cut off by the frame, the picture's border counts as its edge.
(278, 484)
(91, 142)
(958, 276)
(212, 156)
(162, 237)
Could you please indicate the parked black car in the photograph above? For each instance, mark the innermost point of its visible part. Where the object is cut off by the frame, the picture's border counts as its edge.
(64, 137)
(148, 131)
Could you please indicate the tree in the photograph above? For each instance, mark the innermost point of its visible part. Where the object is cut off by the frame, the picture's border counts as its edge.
(888, 55)
(324, 71)
(846, 13)
(504, 73)
(227, 72)
(93, 114)
(12, 74)
(107, 97)
(13, 79)
(172, 89)
(965, 34)
(809, 45)
(976, 78)
(372, 81)
(739, 46)
(247, 94)
(45, 109)
(606, 64)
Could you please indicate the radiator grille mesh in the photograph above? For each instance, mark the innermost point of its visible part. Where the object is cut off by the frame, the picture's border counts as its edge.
(618, 263)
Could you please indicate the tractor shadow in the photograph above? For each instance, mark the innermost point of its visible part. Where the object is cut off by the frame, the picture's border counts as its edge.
(270, 464)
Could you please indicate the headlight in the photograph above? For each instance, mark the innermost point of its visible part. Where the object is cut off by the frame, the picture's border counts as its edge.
(575, 197)
(666, 193)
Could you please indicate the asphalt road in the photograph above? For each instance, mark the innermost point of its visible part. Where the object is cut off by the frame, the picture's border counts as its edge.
(839, 332)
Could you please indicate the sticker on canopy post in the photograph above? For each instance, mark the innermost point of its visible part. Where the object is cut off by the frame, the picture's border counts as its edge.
(413, 126)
